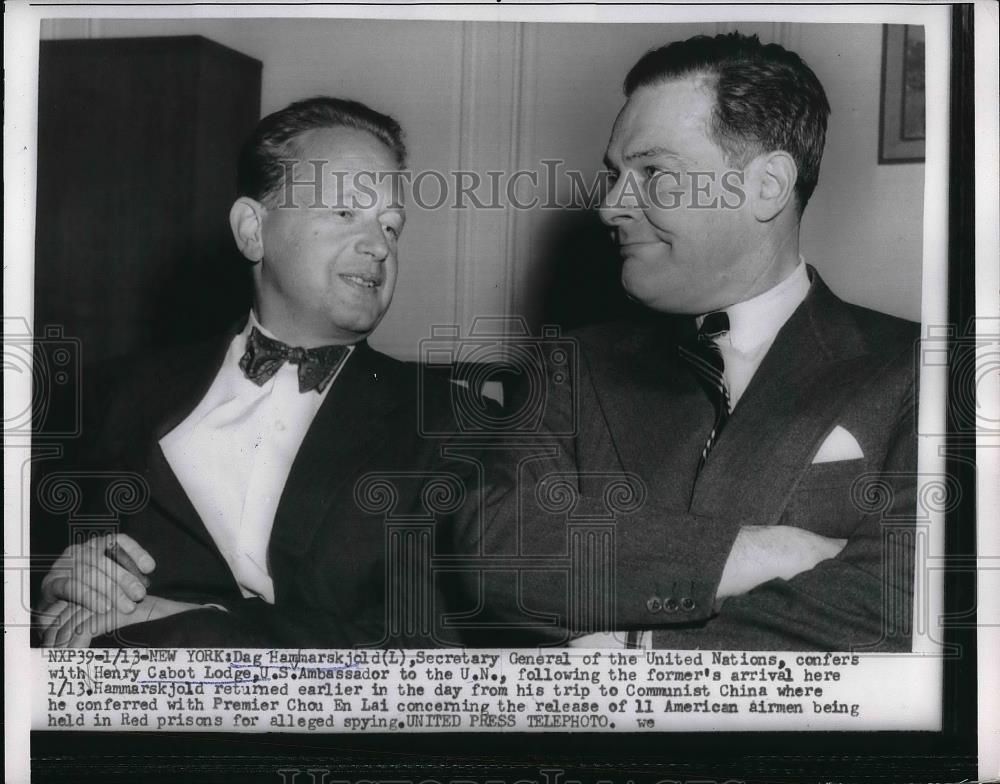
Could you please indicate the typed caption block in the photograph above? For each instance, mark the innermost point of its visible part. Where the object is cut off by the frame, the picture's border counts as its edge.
(479, 691)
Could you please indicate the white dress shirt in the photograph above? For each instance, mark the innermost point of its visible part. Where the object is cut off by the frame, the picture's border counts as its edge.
(753, 326)
(232, 456)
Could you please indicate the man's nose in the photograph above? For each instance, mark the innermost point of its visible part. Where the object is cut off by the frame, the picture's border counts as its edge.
(617, 207)
(373, 242)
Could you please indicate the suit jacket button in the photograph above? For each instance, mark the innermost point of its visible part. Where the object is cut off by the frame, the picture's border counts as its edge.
(670, 605)
(653, 604)
(687, 604)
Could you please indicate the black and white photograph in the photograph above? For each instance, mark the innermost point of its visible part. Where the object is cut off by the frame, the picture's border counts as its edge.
(415, 372)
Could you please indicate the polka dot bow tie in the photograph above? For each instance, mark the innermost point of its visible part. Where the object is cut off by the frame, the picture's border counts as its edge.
(265, 356)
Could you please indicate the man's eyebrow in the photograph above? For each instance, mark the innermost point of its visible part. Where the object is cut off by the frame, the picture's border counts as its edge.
(652, 152)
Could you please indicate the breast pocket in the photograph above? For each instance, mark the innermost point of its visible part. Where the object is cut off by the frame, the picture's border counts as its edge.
(822, 500)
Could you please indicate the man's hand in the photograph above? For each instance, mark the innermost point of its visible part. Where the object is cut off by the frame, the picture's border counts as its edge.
(763, 553)
(76, 626)
(86, 578)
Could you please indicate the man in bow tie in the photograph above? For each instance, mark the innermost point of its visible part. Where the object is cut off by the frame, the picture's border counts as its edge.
(770, 424)
(253, 445)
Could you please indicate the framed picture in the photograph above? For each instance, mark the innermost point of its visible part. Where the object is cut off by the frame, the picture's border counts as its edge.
(903, 118)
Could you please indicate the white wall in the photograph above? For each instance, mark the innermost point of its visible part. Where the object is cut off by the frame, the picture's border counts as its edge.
(499, 95)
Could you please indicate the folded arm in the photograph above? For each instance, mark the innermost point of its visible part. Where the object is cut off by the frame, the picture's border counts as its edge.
(860, 599)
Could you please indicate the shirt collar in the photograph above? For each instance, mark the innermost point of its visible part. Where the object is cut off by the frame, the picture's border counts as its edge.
(239, 346)
(252, 322)
(755, 322)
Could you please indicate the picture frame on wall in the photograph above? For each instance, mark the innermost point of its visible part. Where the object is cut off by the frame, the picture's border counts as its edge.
(902, 118)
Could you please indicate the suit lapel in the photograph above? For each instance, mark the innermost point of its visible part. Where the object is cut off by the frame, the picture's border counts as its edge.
(350, 425)
(182, 384)
(658, 415)
(794, 399)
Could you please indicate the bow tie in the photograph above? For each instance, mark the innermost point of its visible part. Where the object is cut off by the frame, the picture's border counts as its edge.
(265, 356)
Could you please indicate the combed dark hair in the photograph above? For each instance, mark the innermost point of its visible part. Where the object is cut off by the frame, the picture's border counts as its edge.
(260, 172)
(766, 98)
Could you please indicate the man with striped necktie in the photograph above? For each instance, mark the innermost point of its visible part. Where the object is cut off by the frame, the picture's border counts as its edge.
(758, 410)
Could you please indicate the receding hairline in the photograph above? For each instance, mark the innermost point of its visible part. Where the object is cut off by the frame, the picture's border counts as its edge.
(703, 77)
(701, 81)
(294, 144)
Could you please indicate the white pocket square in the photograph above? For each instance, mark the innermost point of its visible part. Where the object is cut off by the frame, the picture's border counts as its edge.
(839, 445)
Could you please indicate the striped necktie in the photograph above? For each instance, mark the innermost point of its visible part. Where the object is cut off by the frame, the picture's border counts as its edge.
(705, 360)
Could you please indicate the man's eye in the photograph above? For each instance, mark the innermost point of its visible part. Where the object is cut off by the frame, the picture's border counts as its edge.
(392, 230)
(345, 214)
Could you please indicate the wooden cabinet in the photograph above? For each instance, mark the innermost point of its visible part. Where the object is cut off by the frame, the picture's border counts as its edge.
(137, 146)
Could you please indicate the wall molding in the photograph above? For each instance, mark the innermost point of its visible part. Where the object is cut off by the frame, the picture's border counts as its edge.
(494, 130)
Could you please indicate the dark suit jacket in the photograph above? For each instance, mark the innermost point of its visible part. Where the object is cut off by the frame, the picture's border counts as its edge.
(636, 410)
(339, 542)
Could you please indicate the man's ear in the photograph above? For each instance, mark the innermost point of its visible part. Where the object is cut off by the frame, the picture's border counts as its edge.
(246, 219)
(775, 174)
